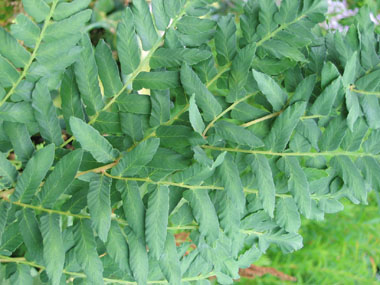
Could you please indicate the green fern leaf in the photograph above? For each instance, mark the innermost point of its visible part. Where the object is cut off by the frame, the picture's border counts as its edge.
(61, 178)
(127, 46)
(11, 239)
(160, 107)
(284, 125)
(133, 206)
(169, 261)
(68, 27)
(351, 177)
(108, 71)
(267, 190)
(135, 104)
(173, 57)
(20, 140)
(229, 175)
(144, 24)
(204, 212)
(4, 209)
(239, 73)
(195, 116)
(38, 9)
(287, 215)
(45, 114)
(99, 204)
(12, 50)
(273, 92)
(22, 275)
(71, 102)
(160, 17)
(86, 73)
(117, 247)
(85, 252)
(35, 171)
(156, 221)
(54, 251)
(204, 99)
(132, 162)
(191, 25)
(288, 242)
(225, 39)
(31, 234)
(92, 141)
(324, 102)
(24, 29)
(21, 112)
(299, 186)
(237, 134)
(160, 80)
(172, 7)
(8, 172)
(8, 73)
(65, 10)
(138, 258)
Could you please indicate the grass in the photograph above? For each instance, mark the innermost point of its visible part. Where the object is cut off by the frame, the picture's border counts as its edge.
(343, 249)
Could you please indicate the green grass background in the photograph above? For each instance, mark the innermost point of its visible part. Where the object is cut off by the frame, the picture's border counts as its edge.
(343, 249)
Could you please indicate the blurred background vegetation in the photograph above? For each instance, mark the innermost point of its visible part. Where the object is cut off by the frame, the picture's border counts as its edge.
(342, 249)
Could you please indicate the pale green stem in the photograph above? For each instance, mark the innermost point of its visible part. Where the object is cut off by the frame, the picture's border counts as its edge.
(259, 120)
(211, 124)
(33, 55)
(185, 186)
(251, 232)
(273, 115)
(312, 154)
(50, 211)
(216, 77)
(168, 183)
(364, 92)
(21, 260)
(312, 117)
(98, 169)
(78, 216)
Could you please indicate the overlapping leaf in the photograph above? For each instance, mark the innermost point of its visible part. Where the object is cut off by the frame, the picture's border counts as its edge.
(99, 205)
(35, 171)
(92, 141)
(54, 252)
(156, 220)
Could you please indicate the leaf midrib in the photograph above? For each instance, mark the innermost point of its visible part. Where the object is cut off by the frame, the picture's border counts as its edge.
(34, 54)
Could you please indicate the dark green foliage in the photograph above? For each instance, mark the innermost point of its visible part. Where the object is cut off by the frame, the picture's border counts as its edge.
(177, 123)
